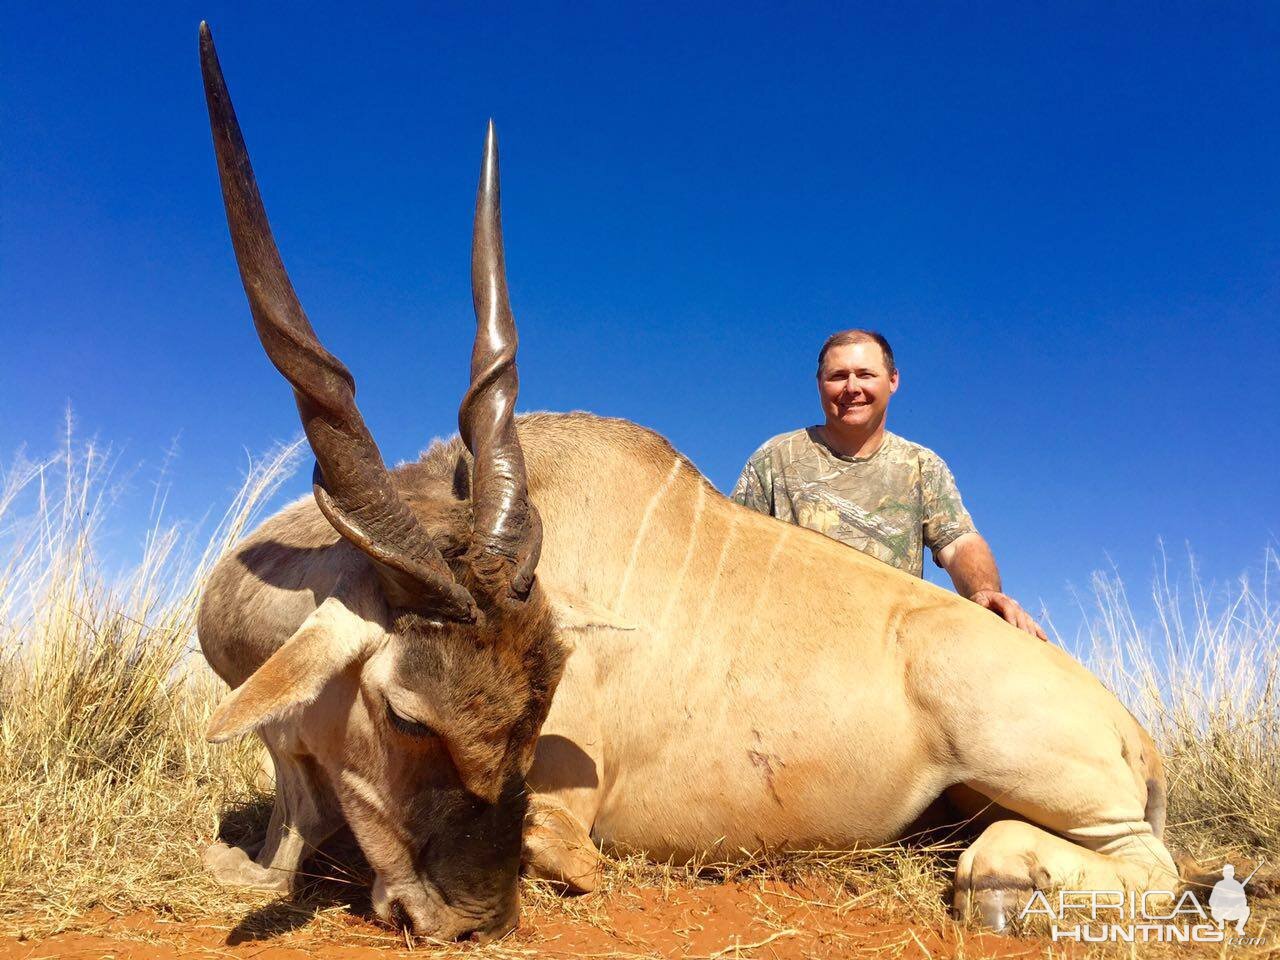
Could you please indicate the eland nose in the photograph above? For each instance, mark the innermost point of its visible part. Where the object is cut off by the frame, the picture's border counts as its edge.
(489, 934)
(455, 927)
(499, 927)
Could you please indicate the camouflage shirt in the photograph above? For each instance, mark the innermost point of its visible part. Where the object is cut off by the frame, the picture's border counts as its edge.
(889, 505)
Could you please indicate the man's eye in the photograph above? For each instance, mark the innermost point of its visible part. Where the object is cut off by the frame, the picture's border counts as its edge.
(406, 726)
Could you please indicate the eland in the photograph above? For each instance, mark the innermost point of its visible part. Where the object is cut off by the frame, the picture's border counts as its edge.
(551, 634)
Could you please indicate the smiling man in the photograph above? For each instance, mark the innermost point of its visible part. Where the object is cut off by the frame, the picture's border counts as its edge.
(856, 482)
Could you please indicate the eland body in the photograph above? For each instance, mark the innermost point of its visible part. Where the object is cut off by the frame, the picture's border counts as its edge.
(553, 634)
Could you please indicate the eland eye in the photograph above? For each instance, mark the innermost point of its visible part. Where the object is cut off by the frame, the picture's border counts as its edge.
(412, 728)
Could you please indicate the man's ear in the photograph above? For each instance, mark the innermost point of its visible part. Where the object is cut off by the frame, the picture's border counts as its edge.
(328, 641)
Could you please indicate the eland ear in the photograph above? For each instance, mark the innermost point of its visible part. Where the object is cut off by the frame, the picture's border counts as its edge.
(329, 640)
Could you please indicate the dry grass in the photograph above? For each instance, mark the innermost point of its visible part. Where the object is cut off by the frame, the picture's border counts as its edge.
(108, 789)
(1205, 681)
(105, 778)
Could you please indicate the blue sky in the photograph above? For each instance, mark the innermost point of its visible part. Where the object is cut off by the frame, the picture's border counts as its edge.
(1067, 221)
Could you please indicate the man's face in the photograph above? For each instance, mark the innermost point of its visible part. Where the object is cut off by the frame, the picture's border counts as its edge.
(855, 385)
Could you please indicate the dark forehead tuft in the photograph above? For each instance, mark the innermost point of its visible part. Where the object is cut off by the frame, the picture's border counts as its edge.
(428, 648)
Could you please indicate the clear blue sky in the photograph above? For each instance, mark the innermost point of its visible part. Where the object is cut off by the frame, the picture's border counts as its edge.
(1067, 222)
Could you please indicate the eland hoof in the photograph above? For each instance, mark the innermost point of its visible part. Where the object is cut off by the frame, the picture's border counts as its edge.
(992, 908)
(232, 867)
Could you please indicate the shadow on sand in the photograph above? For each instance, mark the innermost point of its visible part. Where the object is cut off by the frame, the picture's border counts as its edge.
(335, 875)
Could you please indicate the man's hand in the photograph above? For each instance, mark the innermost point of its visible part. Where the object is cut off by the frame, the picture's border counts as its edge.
(1005, 606)
(972, 567)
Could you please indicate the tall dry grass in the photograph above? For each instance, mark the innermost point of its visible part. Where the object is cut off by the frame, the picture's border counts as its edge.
(1204, 679)
(108, 789)
(106, 782)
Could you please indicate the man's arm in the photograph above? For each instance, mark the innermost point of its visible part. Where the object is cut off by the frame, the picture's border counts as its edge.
(972, 568)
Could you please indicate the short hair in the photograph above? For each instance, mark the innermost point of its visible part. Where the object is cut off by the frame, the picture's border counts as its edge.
(857, 335)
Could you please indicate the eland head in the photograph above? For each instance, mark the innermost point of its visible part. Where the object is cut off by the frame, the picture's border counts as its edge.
(427, 690)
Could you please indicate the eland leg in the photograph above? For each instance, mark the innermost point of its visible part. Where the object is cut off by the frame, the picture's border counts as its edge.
(1094, 812)
(565, 781)
(1023, 724)
(305, 814)
(558, 848)
(997, 874)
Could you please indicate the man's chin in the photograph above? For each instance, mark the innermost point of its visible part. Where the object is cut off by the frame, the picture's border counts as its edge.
(862, 417)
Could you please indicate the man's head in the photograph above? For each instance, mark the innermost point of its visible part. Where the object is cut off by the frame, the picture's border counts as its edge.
(856, 377)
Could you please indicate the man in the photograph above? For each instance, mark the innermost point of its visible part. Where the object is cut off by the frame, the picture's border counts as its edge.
(856, 482)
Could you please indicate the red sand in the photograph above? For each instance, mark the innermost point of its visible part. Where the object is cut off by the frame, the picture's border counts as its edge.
(772, 920)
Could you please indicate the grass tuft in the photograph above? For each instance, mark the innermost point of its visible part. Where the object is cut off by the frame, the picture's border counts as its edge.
(1204, 679)
(106, 781)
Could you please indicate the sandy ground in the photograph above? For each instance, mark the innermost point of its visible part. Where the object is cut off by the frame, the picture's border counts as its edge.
(767, 919)
(782, 911)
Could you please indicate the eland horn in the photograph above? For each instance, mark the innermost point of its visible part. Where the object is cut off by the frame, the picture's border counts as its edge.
(352, 484)
(506, 528)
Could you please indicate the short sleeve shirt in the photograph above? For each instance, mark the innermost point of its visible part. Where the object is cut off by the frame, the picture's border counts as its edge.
(890, 505)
